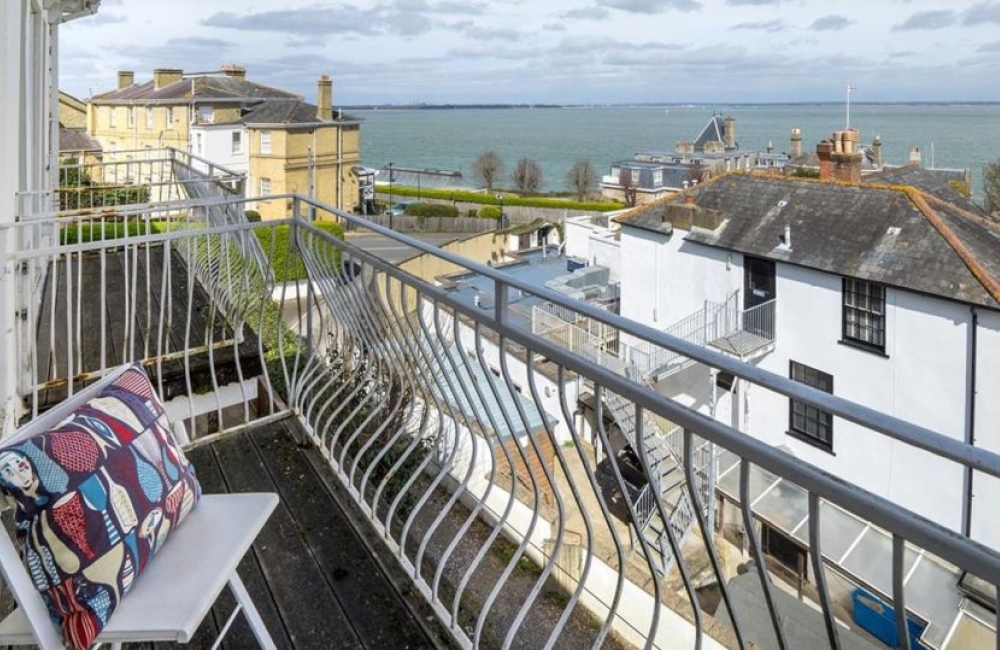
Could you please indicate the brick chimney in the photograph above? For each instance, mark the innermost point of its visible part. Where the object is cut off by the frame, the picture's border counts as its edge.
(126, 78)
(845, 157)
(915, 156)
(824, 151)
(166, 76)
(796, 148)
(233, 70)
(729, 132)
(324, 102)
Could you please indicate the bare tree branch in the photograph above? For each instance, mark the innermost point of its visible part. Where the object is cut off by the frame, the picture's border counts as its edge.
(527, 176)
(581, 178)
(488, 168)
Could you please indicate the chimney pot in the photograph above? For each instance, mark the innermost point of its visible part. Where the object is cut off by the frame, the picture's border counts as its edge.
(796, 148)
(788, 236)
(915, 156)
(730, 132)
(824, 151)
(234, 70)
(688, 199)
(126, 78)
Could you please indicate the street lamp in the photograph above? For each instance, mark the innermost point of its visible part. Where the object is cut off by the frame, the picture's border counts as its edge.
(390, 196)
(500, 220)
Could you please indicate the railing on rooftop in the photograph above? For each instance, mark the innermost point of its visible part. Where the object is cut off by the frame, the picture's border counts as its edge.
(475, 465)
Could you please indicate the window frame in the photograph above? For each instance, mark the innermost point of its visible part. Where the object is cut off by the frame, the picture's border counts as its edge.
(149, 118)
(113, 117)
(810, 413)
(206, 114)
(170, 117)
(265, 182)
(867, 317)
(130, 116)
(237, 142)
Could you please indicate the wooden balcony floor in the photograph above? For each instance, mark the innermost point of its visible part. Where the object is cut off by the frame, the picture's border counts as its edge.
(313, 578)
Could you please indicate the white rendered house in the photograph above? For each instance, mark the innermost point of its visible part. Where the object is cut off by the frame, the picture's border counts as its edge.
(884, 296)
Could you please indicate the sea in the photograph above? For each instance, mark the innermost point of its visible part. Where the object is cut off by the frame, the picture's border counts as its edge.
(959, 136)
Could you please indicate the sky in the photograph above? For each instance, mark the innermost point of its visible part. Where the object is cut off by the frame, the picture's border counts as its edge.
(555, 51)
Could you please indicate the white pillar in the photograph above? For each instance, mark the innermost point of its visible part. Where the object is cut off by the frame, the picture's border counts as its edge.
(12, 174)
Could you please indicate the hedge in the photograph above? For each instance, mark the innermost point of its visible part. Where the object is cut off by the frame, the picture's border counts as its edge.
(276, 242)
(467, 196)
(489, 212)
(78, 233)
(431, 210)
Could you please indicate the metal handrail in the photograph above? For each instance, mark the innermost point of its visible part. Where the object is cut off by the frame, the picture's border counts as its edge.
(411, 354)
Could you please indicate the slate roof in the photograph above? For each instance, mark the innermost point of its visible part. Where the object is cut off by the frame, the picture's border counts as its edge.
(205, 88)
(278, 111)
(895, 236)
(933, 181)
(76, 140)
(714, 130)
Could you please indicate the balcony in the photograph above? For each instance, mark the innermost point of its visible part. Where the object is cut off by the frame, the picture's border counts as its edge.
(434, 460)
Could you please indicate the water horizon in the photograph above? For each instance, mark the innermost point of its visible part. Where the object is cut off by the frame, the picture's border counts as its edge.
(949, 135)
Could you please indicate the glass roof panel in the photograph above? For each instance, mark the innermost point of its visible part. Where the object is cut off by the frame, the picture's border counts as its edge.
(932, 592)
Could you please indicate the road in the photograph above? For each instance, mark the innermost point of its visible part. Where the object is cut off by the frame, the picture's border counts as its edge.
(393, 251)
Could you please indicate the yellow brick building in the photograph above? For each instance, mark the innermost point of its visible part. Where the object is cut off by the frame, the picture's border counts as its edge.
(283, 143)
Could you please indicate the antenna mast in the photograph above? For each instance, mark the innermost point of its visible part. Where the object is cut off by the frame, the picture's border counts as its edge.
(850, 89)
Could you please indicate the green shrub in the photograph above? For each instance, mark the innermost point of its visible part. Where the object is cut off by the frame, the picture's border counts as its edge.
(467, 196)
(489, 212)
(431, 210)
(252, 216)
(77, 233)
(276, 242)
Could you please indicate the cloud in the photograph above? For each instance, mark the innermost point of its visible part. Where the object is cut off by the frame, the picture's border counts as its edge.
(651, 6)
(927, 20)
(752, 2)
(402, 17)
(830, 23)
(554, 27)
(764, 26)
(102, 18)
(473, 30)
(983, 12)
(989, 47)
(587, 13)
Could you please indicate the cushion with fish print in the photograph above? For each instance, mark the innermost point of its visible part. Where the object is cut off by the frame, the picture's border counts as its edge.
(96, 497)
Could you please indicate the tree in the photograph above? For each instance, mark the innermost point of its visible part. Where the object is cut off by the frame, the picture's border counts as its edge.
(581, 178)
(488, 168)
(527, 176)
(991, 185)
(628, 186)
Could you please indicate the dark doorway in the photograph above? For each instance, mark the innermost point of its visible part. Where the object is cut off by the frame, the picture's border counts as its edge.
(759, 285)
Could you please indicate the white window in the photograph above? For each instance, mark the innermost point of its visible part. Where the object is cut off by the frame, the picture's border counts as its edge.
(113, 119)
(197, 143)
(657, 177)
(237, 142)
(170, 117)
(130, 116)
(206, 114)
(265, 187)
(265, 142)
(635, 176)
(149, 118)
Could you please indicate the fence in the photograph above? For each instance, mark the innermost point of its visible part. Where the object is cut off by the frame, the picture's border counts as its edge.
(409, 405)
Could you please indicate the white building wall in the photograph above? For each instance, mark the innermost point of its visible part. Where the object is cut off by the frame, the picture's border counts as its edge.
(986, 489)
(922, 378)
(217, 146)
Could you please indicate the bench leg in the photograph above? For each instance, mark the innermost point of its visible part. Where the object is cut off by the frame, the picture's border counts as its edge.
(250, 611)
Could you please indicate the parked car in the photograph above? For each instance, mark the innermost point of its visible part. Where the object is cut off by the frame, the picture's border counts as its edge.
(398, 209)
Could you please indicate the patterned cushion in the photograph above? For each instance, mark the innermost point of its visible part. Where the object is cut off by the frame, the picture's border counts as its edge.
(96, 498)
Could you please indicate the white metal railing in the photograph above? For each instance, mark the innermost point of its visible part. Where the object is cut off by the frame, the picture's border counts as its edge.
(421, 401)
